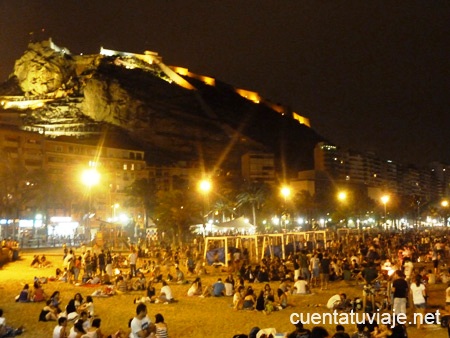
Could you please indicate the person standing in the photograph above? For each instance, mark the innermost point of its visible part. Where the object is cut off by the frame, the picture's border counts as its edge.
(296, 269)
(408, 268)
(325, 271)
(109, 261)
(400, 291)
(102, 262)
(132, 258)
(304, 267)
(315, 270)
(418, 292)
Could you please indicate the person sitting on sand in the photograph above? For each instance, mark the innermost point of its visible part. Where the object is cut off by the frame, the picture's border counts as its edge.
(48, 313)
(166, 295)
(36, 262)
(25, 295)
(77, 330)
(196, 288)
(7, 331)
(238, 298)
(38, 294)
(249, 299)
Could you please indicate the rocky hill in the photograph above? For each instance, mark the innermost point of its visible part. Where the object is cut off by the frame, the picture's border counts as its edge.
(171, 116)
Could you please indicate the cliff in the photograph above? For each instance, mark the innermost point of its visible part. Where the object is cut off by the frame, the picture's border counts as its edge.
(173, 117)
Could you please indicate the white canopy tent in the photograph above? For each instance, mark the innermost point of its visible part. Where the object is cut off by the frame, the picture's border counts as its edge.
(237, 226)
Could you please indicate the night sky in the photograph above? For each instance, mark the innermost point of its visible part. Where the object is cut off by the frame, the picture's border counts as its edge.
(370, 75)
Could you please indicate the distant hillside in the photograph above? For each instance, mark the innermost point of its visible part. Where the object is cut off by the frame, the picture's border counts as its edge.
(171, 116)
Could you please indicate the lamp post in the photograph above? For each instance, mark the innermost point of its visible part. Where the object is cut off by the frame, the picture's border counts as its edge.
(285, 192)
(90, 177)
(204, 187)
(114, 207)
(445, 204)
(385, 200)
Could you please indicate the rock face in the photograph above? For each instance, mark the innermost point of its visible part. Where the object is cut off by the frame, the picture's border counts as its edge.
(142, 98)
(43, 68)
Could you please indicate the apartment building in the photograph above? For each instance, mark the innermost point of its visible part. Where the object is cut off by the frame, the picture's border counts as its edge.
(366, 169)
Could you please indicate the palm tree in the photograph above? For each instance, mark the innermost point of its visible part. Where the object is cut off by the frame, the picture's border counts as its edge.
(304, 203)
(254, 194)
(13, 189)
(142, 193)
(223, 206)
(52, 193)
(174, 211)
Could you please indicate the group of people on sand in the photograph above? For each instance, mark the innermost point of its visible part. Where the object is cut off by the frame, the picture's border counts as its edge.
(37, 294)
(243, 297)
(249, 286)
(40, 262)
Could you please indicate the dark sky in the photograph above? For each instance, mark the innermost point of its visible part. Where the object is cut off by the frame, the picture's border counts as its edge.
(370, 75)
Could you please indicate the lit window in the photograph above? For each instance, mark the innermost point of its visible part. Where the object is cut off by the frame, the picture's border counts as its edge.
(125, 166)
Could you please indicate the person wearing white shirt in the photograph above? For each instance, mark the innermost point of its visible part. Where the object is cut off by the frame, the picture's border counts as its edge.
(408, 268)
(140, 325)
(336, 301)
(301, 286)
(166, 295)
(60, 330)
(418, 292)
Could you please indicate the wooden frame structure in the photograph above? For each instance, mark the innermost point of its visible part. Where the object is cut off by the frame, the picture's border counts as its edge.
(233, 241)
(269, 241)
(223, 240)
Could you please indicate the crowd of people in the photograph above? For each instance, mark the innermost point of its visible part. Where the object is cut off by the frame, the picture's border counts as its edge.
(397, 266)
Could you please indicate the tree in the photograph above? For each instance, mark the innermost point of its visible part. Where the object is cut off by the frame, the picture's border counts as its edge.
(142, 193)
(224, 207)
(14, 188)
(174, 211)
(305, 204)
(45, 194)
(253, 194)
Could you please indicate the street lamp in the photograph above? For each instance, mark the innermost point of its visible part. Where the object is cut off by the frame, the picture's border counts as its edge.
(285, 192)
(90, 177)
(342, 196)
(385, 200)
(204, 187)
(114, 207)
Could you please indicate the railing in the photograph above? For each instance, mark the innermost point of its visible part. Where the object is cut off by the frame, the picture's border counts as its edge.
(54, 242)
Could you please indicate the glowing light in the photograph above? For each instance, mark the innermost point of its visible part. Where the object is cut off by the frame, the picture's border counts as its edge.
(342, 196)
(285, 191)
(205, 186)
(90, 177)
(59, 219)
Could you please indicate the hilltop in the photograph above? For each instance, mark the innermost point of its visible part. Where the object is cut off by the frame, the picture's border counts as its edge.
(169, 112)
